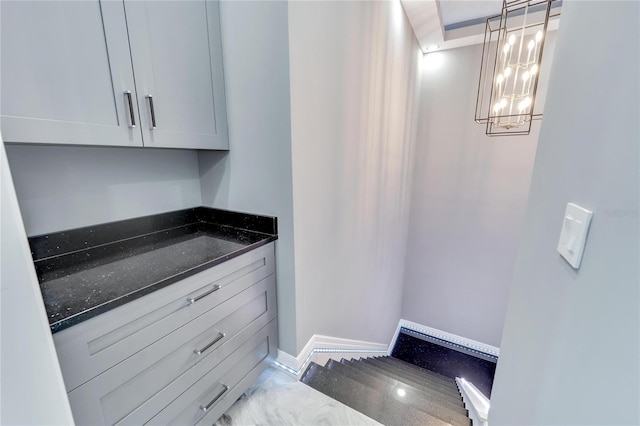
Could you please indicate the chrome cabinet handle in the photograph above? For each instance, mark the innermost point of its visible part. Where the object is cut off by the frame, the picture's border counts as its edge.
(216, 340)
(132, 115)
(207, 407)
(193, 300)
(152, 112)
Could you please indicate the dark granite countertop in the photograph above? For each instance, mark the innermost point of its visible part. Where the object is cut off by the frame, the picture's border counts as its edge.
(87, 271)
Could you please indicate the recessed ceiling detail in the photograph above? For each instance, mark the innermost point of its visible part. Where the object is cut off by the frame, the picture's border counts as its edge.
(452, 23)
(455, 12)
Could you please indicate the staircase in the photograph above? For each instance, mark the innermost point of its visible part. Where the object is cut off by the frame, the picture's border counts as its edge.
(390, 391)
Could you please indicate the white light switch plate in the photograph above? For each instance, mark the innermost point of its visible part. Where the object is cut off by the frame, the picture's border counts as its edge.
(574, 234)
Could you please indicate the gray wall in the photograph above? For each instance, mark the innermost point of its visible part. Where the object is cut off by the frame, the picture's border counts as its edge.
(354, 77)
(255, 176)
(68, 187)
(32, 390)
(468, 203)
(570, 352)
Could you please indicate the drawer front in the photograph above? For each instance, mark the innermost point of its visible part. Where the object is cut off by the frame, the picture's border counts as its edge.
(131, 391)
(220, 387)
(93, 346)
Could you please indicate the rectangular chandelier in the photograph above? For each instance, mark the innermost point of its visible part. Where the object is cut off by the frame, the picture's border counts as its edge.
(511, 60)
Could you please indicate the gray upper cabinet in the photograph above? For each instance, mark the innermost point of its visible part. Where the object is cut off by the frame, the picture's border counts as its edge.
(68, 72)
(177, 58)
(65, 70)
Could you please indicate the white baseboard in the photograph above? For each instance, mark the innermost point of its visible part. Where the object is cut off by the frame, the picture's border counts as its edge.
(443, 335)
(321, 348)
(475, 402)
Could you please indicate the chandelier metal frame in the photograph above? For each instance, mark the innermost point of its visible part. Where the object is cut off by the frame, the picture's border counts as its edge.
(510, 68)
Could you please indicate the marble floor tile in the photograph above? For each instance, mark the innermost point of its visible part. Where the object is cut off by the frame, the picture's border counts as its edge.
(278, 399)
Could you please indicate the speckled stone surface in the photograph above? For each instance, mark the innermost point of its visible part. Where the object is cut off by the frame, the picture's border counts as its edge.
(47, 245)
(366, 400)
(408, 395)
(88, 271)
(447, 360)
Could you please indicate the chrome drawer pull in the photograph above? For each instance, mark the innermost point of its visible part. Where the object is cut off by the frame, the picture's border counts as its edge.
(132, 115)
(152, 111)
(216, 340)
(193, 300)
(206, 408)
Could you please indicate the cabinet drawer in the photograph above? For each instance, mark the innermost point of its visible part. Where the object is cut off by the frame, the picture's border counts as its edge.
(219, 388)
(93, 346)
(136, 389)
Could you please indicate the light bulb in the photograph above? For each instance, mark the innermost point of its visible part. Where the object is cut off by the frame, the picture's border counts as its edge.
(497, 107)
(507, 72)
(539, 36)
(506, 48)
(512, 39)
(530, 45)
(534, 69)
(525, 76)
(503, 102)
(500, 79)
(524, 103)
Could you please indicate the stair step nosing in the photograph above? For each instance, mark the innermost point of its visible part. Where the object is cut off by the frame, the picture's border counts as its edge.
(411, 369)
(416, 383)
(453, 391)
(428, 405)
(453, 403)
(415, 368)
(381, 415)
(438, 397)
(447, 384)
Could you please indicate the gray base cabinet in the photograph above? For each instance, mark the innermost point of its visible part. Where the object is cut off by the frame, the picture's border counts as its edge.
(163, 359)
(128, 73)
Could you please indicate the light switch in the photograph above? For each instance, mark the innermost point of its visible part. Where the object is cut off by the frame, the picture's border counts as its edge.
(574, 233)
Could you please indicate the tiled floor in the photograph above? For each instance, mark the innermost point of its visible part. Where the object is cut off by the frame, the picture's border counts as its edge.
(278, 399)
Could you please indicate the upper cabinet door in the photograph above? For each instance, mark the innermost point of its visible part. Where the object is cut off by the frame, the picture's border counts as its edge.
(66, 68)
(177, 58)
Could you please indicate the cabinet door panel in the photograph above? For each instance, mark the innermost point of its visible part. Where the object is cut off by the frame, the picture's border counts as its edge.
(65, 68)
(177, 60)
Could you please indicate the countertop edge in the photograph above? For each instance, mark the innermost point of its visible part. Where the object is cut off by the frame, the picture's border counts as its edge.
(129, 297)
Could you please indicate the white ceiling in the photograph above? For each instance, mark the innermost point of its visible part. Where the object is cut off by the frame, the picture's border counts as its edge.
(456, 11)
(430, 18)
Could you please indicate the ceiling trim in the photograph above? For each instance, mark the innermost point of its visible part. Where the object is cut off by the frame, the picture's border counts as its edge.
(425, 17)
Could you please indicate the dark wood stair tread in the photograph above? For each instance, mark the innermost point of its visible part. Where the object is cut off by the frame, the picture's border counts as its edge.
(366, 400)
(446, 400)
(402, 393)
(402, 368)
(390, 391)
(418, 382)
(413, 367)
